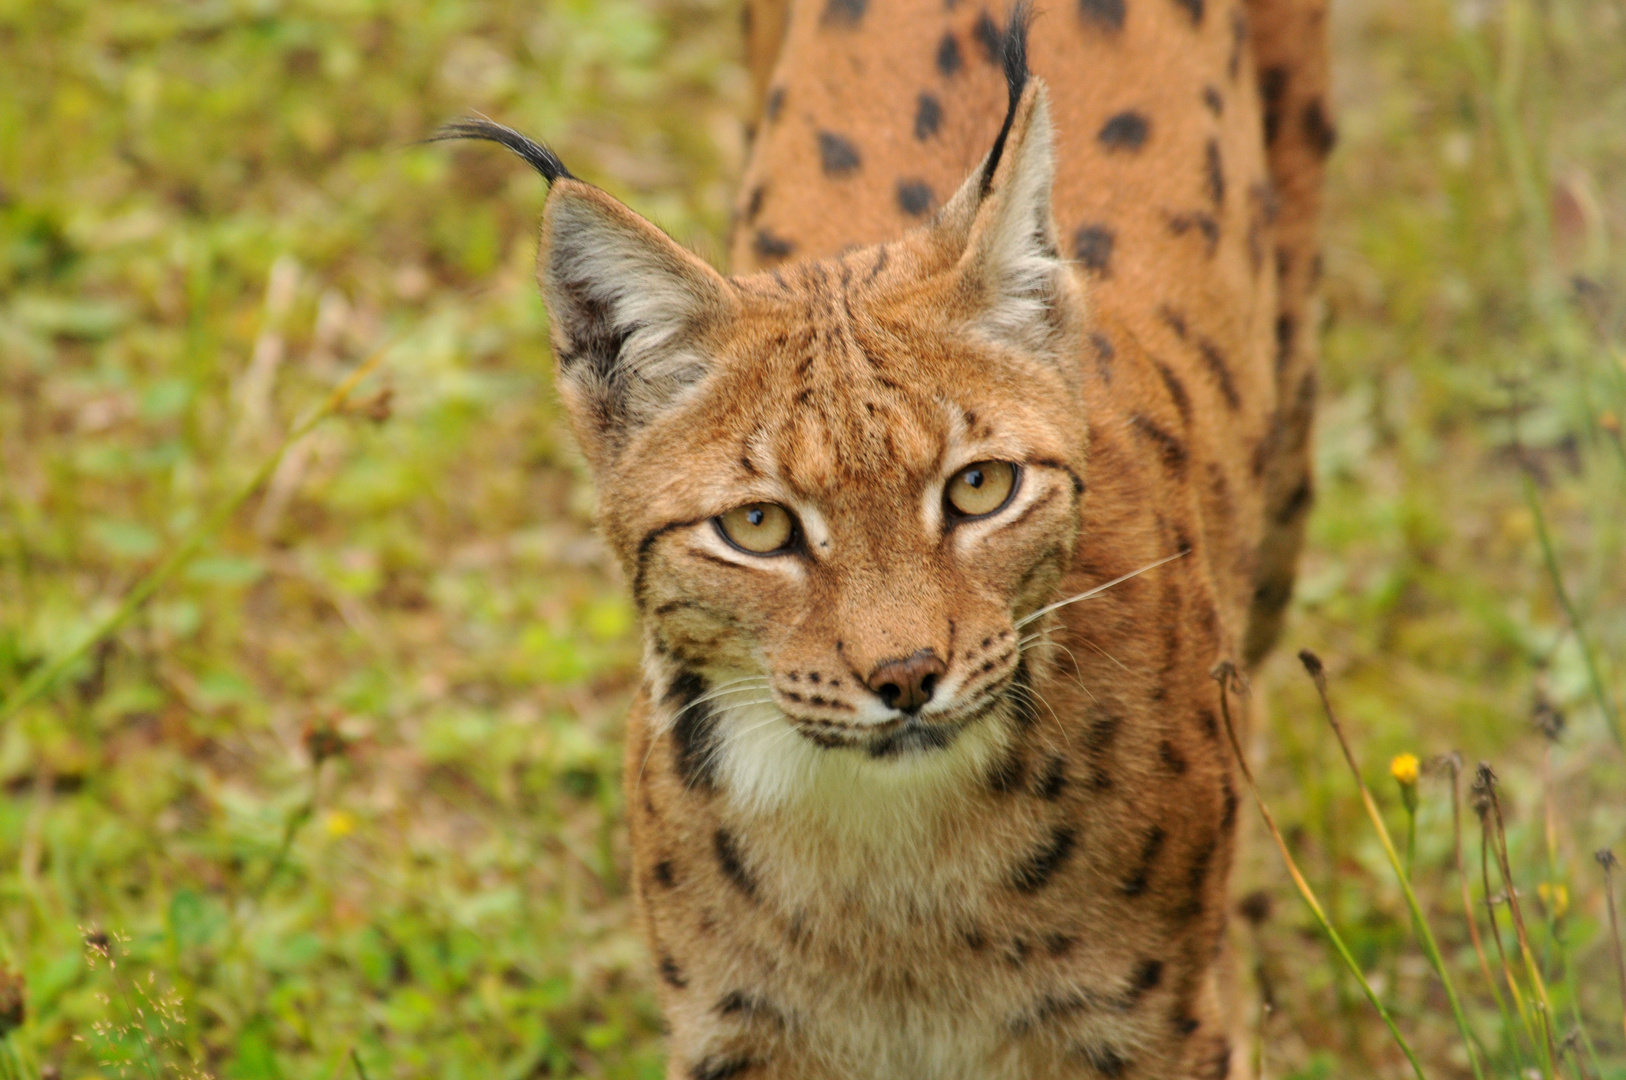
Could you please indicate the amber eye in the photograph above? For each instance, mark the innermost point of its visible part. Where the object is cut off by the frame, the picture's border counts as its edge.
(981, 488)
(760, 528)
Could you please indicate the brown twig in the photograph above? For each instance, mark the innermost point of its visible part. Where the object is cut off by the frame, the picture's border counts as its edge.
(1607, 860)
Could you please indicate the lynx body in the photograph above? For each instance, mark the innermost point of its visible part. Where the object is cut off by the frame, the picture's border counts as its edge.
(897, 809)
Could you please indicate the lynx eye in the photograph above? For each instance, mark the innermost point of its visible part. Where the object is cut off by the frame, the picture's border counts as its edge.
(760, 528)
(980, 489)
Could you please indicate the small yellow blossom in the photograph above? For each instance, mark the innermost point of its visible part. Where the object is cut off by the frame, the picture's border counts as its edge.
(1404, 769)
(339, 824)
(1555, 898)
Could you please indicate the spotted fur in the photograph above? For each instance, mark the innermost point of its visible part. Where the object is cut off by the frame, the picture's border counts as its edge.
(1103, 273)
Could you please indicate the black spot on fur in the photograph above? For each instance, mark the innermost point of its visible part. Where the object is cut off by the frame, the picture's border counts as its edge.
(1204, 223)
(768, 246)
(753, 205)
(1102, 730)
(1229, 807)
(843, 12)
(1053, 781)
(720, 1068)
(1194, 8)
(1125, 131)
(928, 116)
(1107, 14)
(1092, 247)
(1147, 975)
(1213, 99)
(1174, 321)
(1197, 870)
(664, 873)
(1296, 503)
(1105, 1060)
(1023, 709)
(728, 860)
(775, 103)
(1172, 759)
(1272, 93)
(837, 156)
(1007, 774)
(1186, 1025)
(694, 732)
(1104, 355)
(1141, 877)
(1218, 1066)
(1170, 449)
(1036, 872)
(986, 31)
(1059, 944)
(949, 60)
(1221, 370)
(1239, 38)
(914, 197)
(671, 974)
(1177, 390)
(1286, 328)
(974, 940)
(1052, 1007)
(1318, 130)
(1214, 165)
(748, 1006)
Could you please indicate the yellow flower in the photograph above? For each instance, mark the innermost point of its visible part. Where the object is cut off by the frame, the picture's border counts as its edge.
(1555, 898)
(1404, 769)
(339, 824)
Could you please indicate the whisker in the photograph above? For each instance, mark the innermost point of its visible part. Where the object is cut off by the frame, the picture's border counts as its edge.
(1098, 590)
(1040, 698)
(713, 695)
(1024, 643)
(728, 688)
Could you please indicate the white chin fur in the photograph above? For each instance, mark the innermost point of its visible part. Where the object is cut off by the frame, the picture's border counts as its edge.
(766, 765)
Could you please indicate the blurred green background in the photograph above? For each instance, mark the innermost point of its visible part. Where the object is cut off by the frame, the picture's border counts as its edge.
(351, 781)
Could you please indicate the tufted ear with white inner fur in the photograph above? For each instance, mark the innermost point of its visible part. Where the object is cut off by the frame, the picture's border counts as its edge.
(1015, 285)
(626, 304)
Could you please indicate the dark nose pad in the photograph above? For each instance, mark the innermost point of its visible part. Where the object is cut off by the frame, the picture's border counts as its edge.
(907, 684)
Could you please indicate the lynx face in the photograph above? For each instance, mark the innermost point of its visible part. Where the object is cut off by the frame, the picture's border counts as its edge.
(835, 494)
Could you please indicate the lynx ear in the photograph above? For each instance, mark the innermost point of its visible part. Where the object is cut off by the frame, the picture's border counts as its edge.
(1016, 286)
(626, 304)
(1013, 278)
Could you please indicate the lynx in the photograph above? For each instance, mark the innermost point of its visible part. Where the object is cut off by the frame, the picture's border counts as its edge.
(940, 512)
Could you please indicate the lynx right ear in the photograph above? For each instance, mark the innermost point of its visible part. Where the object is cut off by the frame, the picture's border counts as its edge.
(625, 302)
(627, 305)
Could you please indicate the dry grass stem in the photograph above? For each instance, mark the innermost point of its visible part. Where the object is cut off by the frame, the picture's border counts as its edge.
(1425, 933)
(1607, 860)
(1227, 676)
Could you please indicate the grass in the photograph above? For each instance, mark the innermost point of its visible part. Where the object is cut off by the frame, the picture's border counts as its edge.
(343, 795)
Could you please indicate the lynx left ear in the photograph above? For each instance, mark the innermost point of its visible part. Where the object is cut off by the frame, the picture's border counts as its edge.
(1017, 288)
(1015, 283)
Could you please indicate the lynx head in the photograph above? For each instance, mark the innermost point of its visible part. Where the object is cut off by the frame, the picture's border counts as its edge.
(836, 487)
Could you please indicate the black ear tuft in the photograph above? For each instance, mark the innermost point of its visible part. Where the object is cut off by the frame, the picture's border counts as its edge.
(1014, 59)
(541, 159)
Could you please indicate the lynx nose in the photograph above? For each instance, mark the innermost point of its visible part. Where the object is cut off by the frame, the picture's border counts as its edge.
(908, 683)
